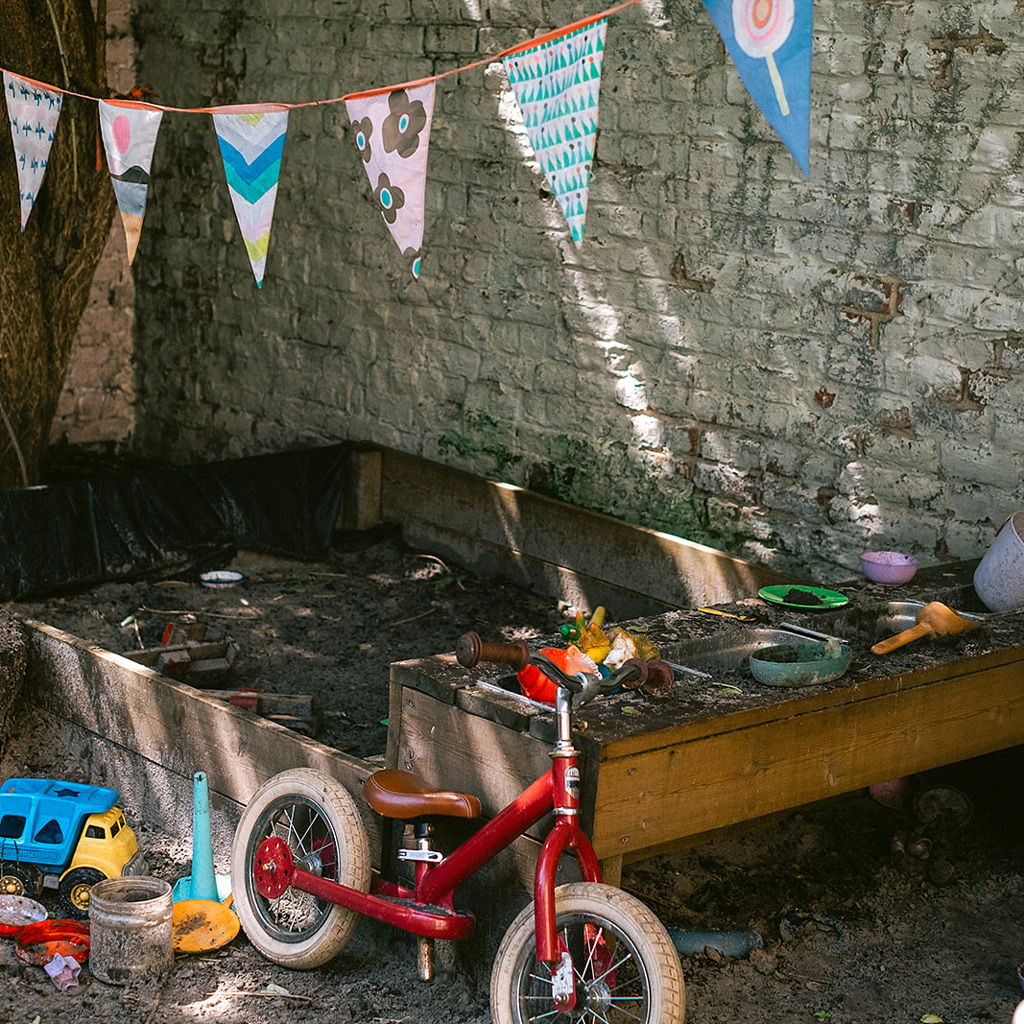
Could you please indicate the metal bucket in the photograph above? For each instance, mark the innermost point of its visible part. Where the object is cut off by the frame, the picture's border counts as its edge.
(130, 930)
(999, 578)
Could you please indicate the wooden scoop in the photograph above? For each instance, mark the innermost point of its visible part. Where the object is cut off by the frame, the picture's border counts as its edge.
(934, 619)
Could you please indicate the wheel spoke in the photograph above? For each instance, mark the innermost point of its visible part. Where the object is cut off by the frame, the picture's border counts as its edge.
(590, 953)
(614, 967)
(301, 840)
(635, 1016)
(604, 996)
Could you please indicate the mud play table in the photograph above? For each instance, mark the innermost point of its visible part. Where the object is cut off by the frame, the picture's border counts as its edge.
(664, 773)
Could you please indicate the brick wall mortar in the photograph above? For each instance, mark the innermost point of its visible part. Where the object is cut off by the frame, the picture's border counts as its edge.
(718, 359)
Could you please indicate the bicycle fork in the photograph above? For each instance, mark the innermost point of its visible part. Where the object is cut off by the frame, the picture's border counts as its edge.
(566, 834)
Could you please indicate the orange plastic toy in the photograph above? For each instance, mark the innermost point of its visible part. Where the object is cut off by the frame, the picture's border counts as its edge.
(571, 659)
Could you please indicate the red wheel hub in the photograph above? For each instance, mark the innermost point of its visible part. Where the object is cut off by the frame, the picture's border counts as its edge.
(274, 868)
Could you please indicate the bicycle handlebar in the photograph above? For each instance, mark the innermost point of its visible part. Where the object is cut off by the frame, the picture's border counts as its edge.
(655, 677)
(470, 650)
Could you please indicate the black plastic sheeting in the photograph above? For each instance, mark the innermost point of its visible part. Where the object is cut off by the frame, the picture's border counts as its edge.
(89, 531)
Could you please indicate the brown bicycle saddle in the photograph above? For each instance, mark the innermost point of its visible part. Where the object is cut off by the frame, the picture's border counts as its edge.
(396, 794)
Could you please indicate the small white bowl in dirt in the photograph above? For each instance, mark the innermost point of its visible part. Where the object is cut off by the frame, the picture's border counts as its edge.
(218, 579)
(16, 912)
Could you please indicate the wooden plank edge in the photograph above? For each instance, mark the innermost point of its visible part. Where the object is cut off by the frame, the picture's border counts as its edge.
(361, 490)
(889, 746)
(179, 727)
(152, 796)
(536, 525)
(576, 589)
(737, 830)
(807, 703)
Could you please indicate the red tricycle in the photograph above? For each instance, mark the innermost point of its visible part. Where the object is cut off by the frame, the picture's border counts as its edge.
(583, 952)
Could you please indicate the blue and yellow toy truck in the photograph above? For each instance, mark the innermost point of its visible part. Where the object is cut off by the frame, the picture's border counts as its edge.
(65, 836)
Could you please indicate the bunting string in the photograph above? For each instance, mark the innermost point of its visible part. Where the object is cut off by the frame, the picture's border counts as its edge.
(555, 78)
(262, 108)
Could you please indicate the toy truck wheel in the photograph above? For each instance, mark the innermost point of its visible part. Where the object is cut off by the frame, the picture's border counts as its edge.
(74, 891)
(18, 880)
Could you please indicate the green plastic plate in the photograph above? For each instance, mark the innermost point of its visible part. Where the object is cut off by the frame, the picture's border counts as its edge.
(796, 595)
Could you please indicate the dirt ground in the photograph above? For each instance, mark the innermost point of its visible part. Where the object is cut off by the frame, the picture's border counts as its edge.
(852, 928)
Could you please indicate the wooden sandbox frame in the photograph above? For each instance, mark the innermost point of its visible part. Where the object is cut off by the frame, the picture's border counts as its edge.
(145, 734)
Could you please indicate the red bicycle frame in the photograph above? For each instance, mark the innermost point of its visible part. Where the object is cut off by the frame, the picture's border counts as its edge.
(427, 909)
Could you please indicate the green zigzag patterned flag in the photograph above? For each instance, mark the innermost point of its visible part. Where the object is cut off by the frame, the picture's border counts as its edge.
(251, 144)
(557, 86)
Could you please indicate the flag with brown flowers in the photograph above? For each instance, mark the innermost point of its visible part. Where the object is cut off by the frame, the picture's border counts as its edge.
(392, 133)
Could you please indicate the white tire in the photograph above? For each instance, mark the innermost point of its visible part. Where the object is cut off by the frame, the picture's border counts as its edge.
(318, 819)
(625, 967)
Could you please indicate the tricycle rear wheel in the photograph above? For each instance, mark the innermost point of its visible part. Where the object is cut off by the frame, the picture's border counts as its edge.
(319, 821)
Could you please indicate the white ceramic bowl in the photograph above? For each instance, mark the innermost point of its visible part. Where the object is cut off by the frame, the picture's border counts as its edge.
(216, 579)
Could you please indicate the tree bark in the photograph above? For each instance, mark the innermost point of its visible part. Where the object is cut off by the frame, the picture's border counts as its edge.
(47, 270)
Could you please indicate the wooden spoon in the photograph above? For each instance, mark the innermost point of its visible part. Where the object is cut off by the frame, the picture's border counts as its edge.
(934, 619)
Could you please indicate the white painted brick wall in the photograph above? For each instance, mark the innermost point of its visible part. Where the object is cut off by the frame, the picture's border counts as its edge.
(789, 369)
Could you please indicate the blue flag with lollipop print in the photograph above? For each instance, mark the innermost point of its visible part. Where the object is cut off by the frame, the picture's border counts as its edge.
(770, 44)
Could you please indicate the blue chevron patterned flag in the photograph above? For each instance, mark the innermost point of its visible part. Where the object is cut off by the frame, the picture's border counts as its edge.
(251, 145)
(557, 86)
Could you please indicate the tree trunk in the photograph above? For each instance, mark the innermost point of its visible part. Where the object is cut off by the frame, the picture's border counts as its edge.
(47, 270)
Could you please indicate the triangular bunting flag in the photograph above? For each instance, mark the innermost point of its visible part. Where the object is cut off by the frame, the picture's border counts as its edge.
(33, 112)
(251, 143)
(553, 83)
(392, 133)
(770, 44)
(129, 135)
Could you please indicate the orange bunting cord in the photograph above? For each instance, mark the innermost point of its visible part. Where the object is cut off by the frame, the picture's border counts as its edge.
(259, 108)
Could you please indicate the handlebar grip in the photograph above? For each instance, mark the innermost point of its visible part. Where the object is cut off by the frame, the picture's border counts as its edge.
(470, 650)
(631, 680)
(660, 677)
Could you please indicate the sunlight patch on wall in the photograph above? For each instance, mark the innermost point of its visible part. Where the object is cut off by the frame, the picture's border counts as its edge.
(512, 117)
(630, 391)
(648, 431)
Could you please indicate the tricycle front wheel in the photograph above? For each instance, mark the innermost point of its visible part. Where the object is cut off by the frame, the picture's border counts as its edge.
(319, 821)
(625, 968)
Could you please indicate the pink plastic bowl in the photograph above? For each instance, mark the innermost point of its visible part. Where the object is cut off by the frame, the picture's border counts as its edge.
(889, 568)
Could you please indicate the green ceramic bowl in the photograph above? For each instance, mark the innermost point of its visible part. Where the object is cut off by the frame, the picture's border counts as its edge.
(799, 664)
